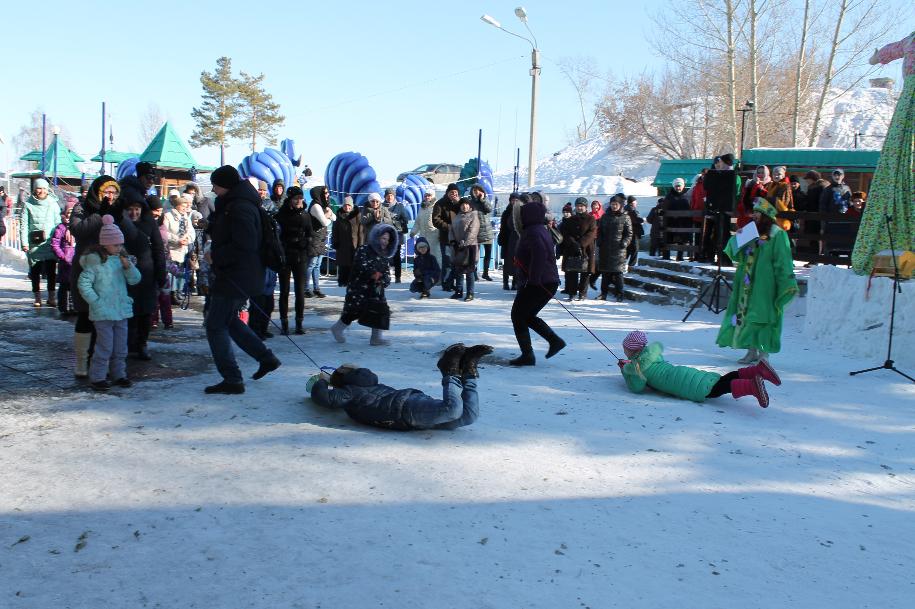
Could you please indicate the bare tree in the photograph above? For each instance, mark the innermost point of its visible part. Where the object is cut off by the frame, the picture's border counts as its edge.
(150, 123)
(795, 119)
(29, 136)
(581, 73)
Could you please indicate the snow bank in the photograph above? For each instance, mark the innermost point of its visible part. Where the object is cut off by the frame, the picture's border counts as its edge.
(843, 314)
(866, 111)
(13, 259)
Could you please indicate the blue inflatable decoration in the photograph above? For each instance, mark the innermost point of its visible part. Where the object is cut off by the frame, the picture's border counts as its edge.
(469, 176)
(287, 147)
(127, 167)
(411, 191)
(349, 173)
(269, 166)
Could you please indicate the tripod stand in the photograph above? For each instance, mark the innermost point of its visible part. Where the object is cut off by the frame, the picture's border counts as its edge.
(888, 364)
(713, 290)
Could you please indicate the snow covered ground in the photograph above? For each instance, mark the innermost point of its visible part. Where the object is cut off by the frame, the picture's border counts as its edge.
(567, 492)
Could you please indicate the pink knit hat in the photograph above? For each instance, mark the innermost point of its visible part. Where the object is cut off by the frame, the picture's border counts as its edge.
(635, 341)
(110, 233)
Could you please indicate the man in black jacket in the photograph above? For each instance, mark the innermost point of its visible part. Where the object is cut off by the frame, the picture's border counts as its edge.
(235, 233)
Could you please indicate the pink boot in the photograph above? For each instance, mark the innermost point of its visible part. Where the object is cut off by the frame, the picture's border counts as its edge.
(754, 387)
(761, 368)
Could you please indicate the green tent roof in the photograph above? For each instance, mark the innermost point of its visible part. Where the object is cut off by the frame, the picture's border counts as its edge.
(167, 149)
(808, 158)
(113, 156)
(35, 155)
(671, 169)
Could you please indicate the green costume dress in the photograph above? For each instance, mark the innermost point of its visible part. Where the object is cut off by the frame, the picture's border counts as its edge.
(764, 284)
(652, 370)
(892, 190)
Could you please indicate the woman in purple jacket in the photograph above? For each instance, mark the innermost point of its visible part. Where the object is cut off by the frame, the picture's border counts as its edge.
(535, 262)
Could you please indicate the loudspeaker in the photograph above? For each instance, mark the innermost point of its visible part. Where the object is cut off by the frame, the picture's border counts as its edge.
(720, 189)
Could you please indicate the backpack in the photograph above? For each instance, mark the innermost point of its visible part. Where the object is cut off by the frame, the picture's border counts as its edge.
(271, 249)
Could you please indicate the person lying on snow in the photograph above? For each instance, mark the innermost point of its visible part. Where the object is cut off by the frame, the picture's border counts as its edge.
(358, 392)
(647, 367)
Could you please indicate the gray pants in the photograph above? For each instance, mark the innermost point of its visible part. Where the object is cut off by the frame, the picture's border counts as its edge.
(110, 350)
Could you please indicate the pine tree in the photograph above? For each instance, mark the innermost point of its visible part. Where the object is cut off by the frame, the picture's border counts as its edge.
(259, 115)
(218, 114)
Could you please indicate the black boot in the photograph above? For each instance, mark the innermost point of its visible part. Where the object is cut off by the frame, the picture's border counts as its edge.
(298, 327)
(268, 363)
(470, 358)
(225, 387)
(556, 345)
(142, 353)
(486, 276)
(284, 324)
(525, 359)
(458, 295)
(450, 361)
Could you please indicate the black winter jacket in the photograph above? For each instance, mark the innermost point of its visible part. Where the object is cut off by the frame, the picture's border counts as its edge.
(235, 231)
(295, 231)
(85, 224)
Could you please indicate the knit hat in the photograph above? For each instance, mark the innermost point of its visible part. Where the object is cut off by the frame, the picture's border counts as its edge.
(794, 180)
(294, 191)
(764, 207)
(374, 196)
(812, 175)
(567, 208)
(144, 169)
(450, 188)
(154, 202)
(581, 201)
(389, 191)
(173, 193)
(727, 159)
(225, 177)
(41, 183)
(261, 185)
(678, 182)
(348, 200)
(839, 171)
(635, 341)
(110, 234)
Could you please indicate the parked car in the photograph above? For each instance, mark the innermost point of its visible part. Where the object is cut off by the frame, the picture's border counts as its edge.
(437, 173)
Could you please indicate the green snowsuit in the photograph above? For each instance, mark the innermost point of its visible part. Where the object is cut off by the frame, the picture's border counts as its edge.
(764, 284)
(651, 369)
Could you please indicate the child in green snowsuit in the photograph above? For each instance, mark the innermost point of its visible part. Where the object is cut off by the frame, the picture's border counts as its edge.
(647, 367)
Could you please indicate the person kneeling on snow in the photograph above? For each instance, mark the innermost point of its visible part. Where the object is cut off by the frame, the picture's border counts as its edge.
(358, 392)
(647, 367)
(426, 271)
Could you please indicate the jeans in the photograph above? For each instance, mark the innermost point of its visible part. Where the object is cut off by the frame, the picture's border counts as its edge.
(298, 269)
(110, 350)
(487, 256)
(222, 324)
(313, 271)
(471, 281)
(458, 407)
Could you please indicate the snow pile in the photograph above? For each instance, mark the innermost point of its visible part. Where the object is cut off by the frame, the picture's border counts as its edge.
(843, 314)
(13, 258)
(587, 168)
(866, 111)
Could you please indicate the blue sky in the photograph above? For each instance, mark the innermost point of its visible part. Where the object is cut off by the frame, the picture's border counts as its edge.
(403, 82)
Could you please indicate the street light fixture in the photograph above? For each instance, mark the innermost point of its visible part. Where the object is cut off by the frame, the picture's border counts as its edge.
(747, 107)
(535, 78)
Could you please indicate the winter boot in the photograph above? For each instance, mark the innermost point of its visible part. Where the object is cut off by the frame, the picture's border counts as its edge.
(225, 388)
(470, 358)
(284, 325)
(751, 357)
(753, 386)
(142, 353)
(298, 327)
(764, 369)
(456, 296)
(378, 339)
(37, 302)
(469, 297)
(268, 363)
(337, 330)
(525, 359)
(81, 341)
(486, 276)
(319, 294)
(450, 361)
(52, 298)
(556, 345)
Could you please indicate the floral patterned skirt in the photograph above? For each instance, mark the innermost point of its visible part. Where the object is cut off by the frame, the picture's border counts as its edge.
(892, 190)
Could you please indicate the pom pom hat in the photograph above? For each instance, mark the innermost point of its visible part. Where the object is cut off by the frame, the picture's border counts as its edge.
(110, 234)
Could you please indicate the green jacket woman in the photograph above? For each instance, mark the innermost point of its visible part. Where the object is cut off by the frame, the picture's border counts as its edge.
(764, 284)
(40, 216)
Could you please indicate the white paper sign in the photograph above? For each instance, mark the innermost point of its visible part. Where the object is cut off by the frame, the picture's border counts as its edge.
(747, 234)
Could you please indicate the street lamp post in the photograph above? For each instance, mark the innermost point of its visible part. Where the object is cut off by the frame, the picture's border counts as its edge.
(535, 80)
(747, 107)
(56, 151)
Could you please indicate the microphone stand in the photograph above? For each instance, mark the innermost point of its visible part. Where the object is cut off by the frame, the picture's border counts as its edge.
(888, 364)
